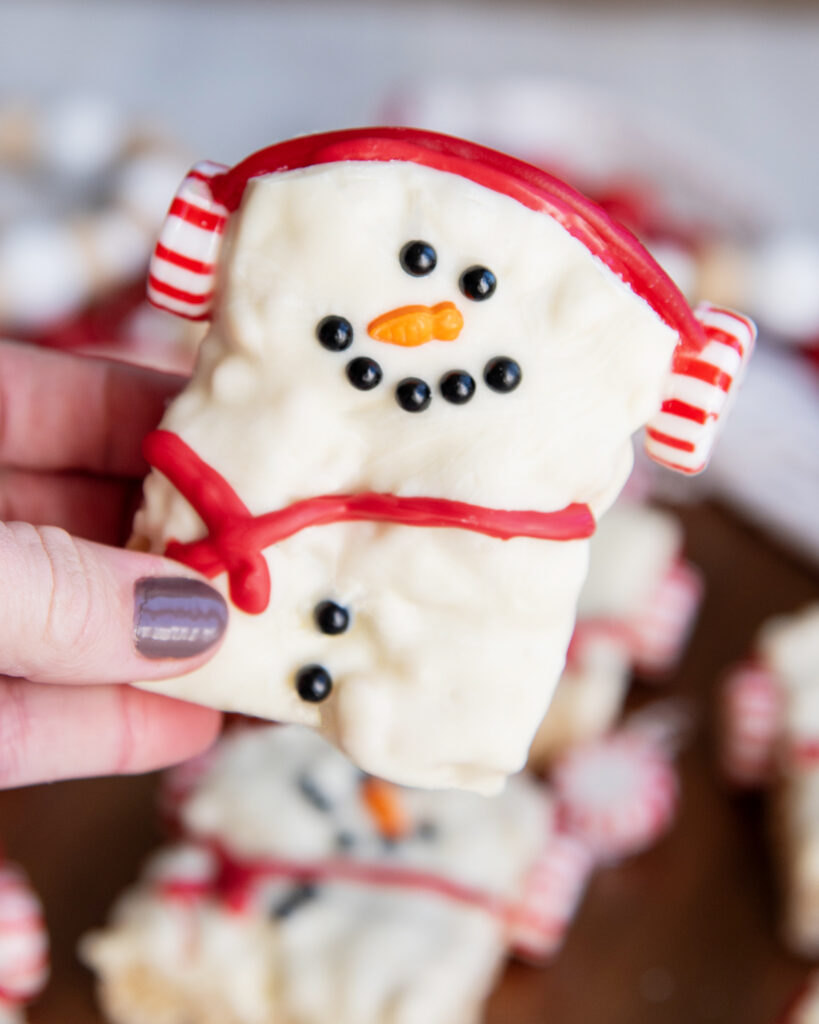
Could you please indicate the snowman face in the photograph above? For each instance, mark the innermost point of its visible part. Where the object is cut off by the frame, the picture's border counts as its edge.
(285, 792)
(436, 336)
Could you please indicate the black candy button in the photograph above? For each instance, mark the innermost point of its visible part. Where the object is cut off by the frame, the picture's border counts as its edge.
(335, 333)
(331, 618)
(413, 394)
(363, 373)
(418, 258)
(293, 901)
(457, 387)
(313, 795)
(478, 283)
(313, 683)
(502, 374)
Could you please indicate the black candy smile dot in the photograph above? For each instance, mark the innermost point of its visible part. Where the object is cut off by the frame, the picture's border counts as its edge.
(457, 387)
(478, 283)
(418, 258)
(502, 374)
(313, 683)
(413, 394)
(364, 373)
(331, 618)
(335, 333)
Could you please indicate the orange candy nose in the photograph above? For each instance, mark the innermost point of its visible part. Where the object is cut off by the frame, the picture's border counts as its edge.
(416, 325)
(386, 807)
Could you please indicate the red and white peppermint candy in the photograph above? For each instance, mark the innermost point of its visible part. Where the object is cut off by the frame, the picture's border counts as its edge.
(550, 901)
(751, 722)
(661, 631)
(182, 274)
(698, 391)
(618, 794)
(23, 939)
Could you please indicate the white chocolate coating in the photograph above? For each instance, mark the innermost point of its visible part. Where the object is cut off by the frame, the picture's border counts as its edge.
(457, 639)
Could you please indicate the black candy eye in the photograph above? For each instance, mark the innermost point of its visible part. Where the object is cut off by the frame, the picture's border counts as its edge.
(331, 618)
(364, 373)
(418, 258)
(502, 374)
(478, 283)
(413, 394)
(335, 333)
(313, 683)
(457, 387)
(313, 795)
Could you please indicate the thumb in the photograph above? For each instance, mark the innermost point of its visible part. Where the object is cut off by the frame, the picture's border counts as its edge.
(79, 612)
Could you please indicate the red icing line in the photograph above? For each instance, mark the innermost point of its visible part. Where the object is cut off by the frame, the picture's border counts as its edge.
(236, 538)
(530, 186)
(236, 878)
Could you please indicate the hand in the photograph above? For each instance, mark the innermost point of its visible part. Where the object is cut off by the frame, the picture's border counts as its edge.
(79, 618)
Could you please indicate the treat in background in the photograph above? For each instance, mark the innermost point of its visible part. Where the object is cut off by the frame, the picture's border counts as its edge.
(304, 891)
(83, 191)
(770, 737)
(24, 959)
(299, 889)
(636, 612)
(389, 493)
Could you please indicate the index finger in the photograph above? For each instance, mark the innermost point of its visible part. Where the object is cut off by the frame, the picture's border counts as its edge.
(60, 411)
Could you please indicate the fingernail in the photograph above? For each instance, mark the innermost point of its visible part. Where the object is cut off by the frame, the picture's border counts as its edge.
(176, 617)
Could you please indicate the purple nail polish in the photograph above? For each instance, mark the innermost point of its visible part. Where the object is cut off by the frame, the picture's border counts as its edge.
(176, 617)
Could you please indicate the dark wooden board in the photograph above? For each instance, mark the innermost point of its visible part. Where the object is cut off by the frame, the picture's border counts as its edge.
(685, 934)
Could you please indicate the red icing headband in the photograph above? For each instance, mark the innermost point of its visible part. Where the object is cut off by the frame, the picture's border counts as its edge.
(713, 344)
(531, 187)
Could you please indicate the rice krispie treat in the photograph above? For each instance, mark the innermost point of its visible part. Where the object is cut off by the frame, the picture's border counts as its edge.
(636, 611)
(415, 400)
(771, 737)
(303, 891)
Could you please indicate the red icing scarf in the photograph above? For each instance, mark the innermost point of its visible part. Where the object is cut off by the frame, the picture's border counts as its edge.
(236, 539)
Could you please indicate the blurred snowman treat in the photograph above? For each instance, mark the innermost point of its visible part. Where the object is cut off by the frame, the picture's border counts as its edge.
(416, 398)
(299, 889)
(304, 891)
(770, 714)
(24, 961)
(636, 611)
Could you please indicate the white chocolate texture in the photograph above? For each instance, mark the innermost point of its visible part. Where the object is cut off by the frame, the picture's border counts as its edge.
(457, 640)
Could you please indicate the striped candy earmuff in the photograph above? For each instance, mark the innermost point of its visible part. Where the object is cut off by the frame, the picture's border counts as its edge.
(698, 391)
(182, 274)
(714, 344)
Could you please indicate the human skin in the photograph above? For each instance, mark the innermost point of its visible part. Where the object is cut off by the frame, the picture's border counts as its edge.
(70, 472)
